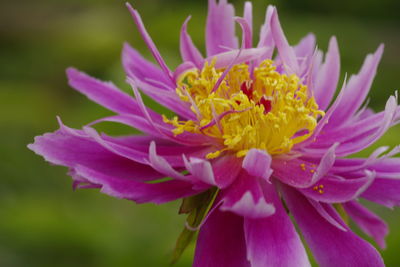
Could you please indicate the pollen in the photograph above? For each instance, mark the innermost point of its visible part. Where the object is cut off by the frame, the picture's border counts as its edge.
(242, 109)
(319, 189)
(303, 166)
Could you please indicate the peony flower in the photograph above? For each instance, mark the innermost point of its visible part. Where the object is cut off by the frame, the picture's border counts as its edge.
(256, 139)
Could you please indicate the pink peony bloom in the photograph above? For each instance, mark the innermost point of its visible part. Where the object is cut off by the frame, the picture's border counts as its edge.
(255, 138)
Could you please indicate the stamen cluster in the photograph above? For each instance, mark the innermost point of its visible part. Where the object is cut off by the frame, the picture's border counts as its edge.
(263, 109)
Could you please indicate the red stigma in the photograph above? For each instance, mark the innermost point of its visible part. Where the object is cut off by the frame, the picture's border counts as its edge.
(247, 88)
(266, 103)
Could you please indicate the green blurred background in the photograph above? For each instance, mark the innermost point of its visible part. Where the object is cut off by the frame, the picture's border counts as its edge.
(42, 221)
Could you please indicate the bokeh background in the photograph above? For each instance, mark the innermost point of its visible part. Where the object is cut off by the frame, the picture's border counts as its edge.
(42, 221)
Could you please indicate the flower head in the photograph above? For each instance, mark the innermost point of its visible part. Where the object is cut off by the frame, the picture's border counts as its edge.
(255, 138)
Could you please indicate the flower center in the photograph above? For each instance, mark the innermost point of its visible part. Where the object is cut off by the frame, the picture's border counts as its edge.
(242, 110)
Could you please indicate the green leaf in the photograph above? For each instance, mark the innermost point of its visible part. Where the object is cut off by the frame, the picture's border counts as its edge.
(197, 206)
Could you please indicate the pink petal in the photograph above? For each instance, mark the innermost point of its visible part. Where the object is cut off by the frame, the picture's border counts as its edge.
(245, 197)
(69, 147)
(258, 163)
(331, 247)
(337, 189)
(153, 82)
(136, 66)
(231, 57)
(220, 28)
(106, 94)
(248, 17)
(285, 51)
(368, 221)
(384, 191)
(273, 241)
(300, 173)
(149, 42)
(266, 39)
(328, 76)
(221, 242)
(357, 89)
(157, 193)
(189, 51)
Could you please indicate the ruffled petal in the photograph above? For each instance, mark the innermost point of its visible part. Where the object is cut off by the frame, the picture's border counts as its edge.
(245, 197)
(285, 51)
(136, 66)
(149, 42)
(153, 82)
(359, 134)
(273, 241)
(266, 39)
(161, 165)
(330, 245)
(103, 93)
(328, 76)
(301, 173)
(189, 51)
(368, 221)
(337, 189)
(357, 89)
(258, 163)
(248, 17)
(384, 191)
(220, 28)
(225, 59)
(70, 148)
(157, 193)
(306, 47)
(221, 172)
(221, 242)
(138, 151)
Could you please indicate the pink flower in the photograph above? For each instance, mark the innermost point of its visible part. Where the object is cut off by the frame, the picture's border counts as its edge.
(255, 139)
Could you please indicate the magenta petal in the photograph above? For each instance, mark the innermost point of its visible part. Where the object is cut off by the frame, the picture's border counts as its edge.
(138, 150)
(136, 66)
(368, 221)
(161, 165)
(337, 189)
(153, 82)
(246, 198)
(189, 51)
(384, 191)
(306, 47)
(357, 89)
(221, 172)
(285, 51)
(328, 76)
(273, 241)
(223, 60)
(106, 94)
(331, 247)
(366, 139)
(67, 147)
(134, 121)
(149, 42)
(247, 34)
(220, 28)
(266, 39)
(201, 169)
(221, 242)
(302, 174)
(258, 163)
(157, 193)
(226, 169)
(248, 17)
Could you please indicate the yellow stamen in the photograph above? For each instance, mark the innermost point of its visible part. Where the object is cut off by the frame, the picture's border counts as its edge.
(277, 114)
